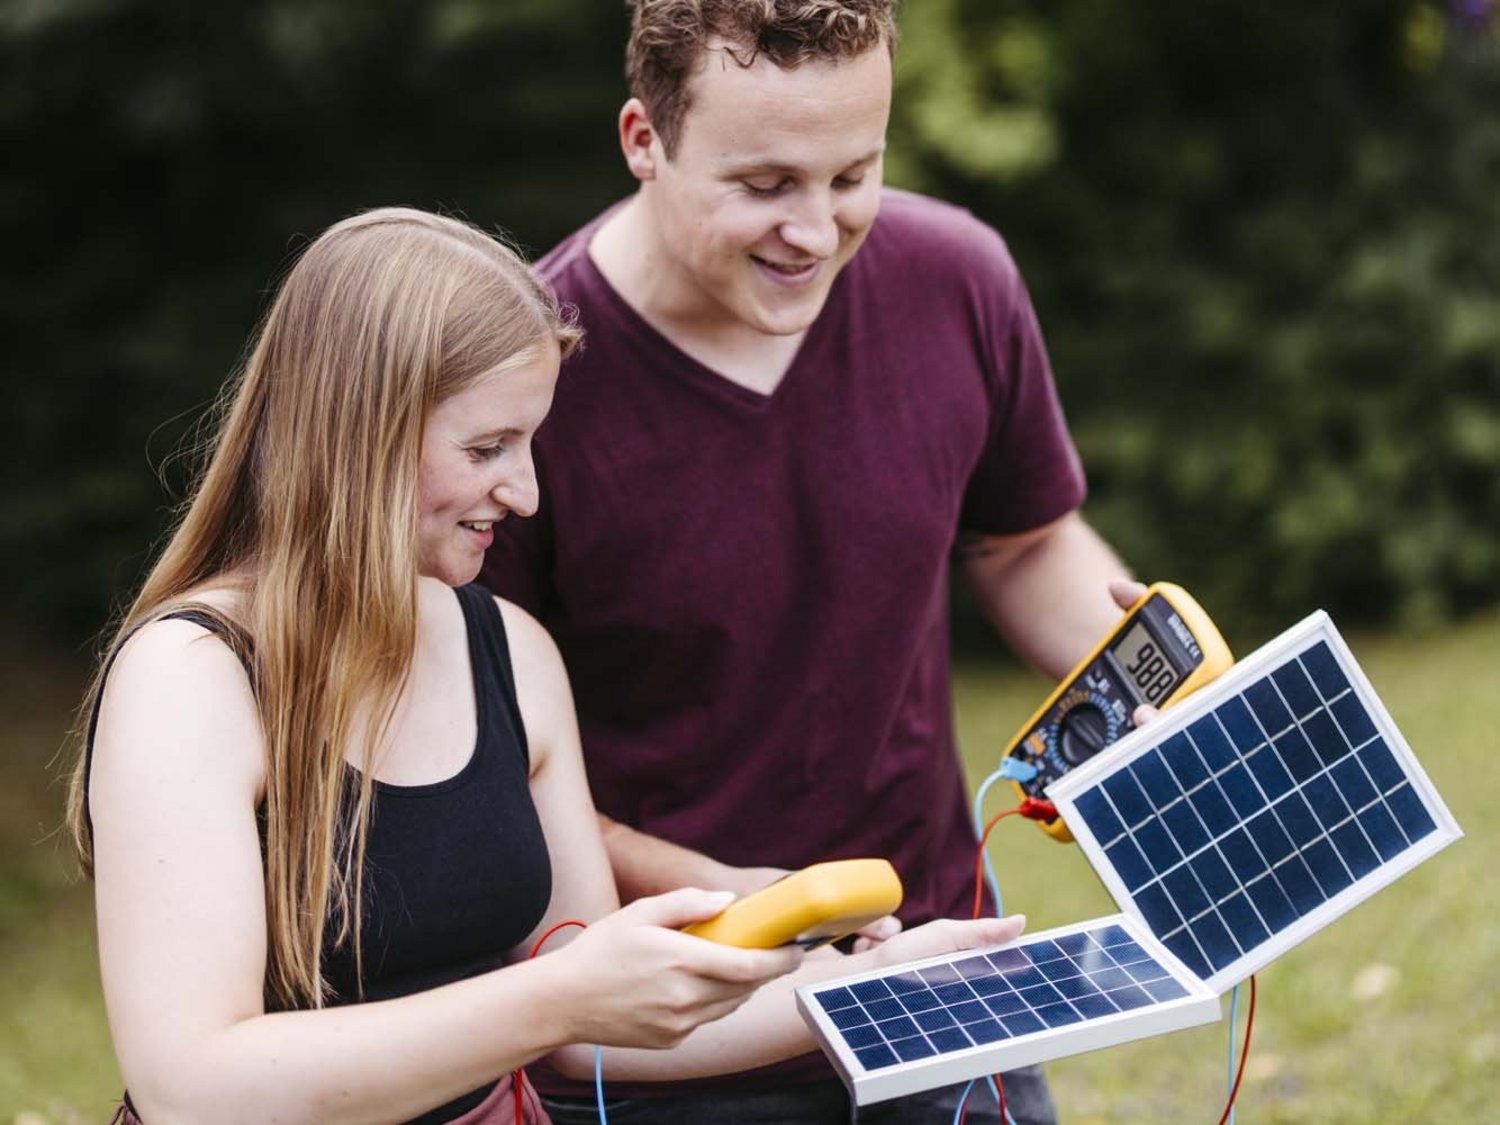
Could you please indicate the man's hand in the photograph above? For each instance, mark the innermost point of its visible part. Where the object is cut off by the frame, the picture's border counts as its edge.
(876, 933)
(1126, 591)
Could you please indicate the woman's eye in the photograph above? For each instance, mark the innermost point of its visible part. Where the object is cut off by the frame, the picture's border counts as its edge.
(486, 452)
(765, 191)
(848, 181)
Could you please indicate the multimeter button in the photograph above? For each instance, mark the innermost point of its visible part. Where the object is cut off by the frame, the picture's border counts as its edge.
(1085, 731)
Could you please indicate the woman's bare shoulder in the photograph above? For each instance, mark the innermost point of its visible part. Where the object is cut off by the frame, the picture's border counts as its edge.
(178, 690)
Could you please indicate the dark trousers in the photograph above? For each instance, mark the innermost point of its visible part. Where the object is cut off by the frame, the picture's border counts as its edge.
(817, 1103)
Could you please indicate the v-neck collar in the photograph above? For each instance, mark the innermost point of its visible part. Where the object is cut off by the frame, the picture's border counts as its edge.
(679, 364)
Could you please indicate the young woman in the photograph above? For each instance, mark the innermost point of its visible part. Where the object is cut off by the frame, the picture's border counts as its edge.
(330, 794)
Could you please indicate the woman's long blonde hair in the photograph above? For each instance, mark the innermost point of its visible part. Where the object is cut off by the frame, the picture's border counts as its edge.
(310, 497)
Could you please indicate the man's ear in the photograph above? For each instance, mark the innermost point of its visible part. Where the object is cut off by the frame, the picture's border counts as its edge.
(638, 140)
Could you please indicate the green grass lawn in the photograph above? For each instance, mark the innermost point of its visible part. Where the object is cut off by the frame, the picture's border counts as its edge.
(1390, 1014)
(55, 1059)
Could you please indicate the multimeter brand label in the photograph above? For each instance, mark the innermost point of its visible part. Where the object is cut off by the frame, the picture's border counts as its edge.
(1186, 638)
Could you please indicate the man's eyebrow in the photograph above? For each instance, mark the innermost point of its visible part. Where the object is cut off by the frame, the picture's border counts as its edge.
(765, 167)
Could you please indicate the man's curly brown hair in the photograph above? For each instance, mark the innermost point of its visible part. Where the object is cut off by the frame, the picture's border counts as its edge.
(668, 38)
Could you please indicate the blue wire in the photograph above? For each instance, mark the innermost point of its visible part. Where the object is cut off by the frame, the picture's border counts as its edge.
(1234, 1003)
(995, 1093)
(994, 885)
(959, 1112)
(599, 1082)
(964, 1100)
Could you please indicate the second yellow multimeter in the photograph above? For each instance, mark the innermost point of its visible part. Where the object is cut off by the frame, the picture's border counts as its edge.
(811, 907)
(1165, 648)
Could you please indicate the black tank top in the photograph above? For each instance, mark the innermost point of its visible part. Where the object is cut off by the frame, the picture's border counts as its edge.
(457, 871)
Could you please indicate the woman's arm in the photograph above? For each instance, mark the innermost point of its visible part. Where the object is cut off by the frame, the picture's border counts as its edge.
(180, 890)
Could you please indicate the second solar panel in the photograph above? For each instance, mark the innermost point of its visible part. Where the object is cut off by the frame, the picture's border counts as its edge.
(1260, 809)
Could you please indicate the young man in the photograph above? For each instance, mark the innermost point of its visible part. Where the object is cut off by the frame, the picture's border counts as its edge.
(799, 394)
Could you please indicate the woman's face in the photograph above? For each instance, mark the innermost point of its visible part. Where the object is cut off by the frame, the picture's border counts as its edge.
(476, 465)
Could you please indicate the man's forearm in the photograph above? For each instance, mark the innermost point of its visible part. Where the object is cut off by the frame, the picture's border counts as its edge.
(648, 865)
(1046, 593)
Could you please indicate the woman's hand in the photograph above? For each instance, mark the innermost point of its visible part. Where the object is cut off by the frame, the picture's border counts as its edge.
(946, 935)
(636, 982)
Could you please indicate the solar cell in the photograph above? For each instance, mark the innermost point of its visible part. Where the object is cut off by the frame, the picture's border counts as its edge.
(1259, 809)
(1051, 994)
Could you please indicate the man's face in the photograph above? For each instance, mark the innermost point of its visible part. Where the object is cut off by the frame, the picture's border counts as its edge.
(774, 184)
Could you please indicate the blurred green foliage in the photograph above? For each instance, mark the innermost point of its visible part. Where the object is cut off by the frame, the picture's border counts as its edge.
(1264, 240)
(1265, 243)
(164, 159)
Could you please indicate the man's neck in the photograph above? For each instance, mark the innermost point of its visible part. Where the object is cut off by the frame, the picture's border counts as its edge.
(626, 249)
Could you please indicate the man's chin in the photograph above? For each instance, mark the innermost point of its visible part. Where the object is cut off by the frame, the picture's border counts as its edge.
(786, 321)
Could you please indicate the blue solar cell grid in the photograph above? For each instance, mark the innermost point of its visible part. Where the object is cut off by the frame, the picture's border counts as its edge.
(1256, 813)
(989, 997)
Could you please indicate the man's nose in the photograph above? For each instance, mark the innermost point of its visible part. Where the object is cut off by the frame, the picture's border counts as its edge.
(812, 228)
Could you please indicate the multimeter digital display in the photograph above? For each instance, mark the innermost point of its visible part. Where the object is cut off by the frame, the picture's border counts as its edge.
(1164, 648)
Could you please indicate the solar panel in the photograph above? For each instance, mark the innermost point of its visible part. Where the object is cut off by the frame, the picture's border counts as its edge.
(945, 1020)
(1256, 811)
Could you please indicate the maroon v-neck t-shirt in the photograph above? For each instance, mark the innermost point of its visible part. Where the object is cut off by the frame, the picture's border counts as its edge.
(750, 591)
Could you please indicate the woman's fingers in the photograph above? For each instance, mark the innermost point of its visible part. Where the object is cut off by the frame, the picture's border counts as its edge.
(676, 909)
(949, 935)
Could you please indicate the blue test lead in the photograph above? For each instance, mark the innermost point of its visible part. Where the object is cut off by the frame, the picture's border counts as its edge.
(1016, 769)
(599, 1082)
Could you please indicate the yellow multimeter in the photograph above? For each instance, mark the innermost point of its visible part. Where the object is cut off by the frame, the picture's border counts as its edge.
(811, 907)
(1165, 648)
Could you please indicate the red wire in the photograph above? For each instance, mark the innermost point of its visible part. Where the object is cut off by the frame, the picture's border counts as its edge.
(979, 854)
(541, 941)
(1034, 810)
(1244, 1054)
(518, 1078)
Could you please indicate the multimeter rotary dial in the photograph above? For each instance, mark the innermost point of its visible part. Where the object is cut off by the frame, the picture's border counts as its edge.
(1085, 722)
(1084, 731)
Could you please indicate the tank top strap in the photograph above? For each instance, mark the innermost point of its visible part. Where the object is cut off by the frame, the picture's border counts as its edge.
(494, 676)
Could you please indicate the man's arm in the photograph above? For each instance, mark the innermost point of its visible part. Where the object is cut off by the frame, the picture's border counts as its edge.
(1051, 593)
(648, 865)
